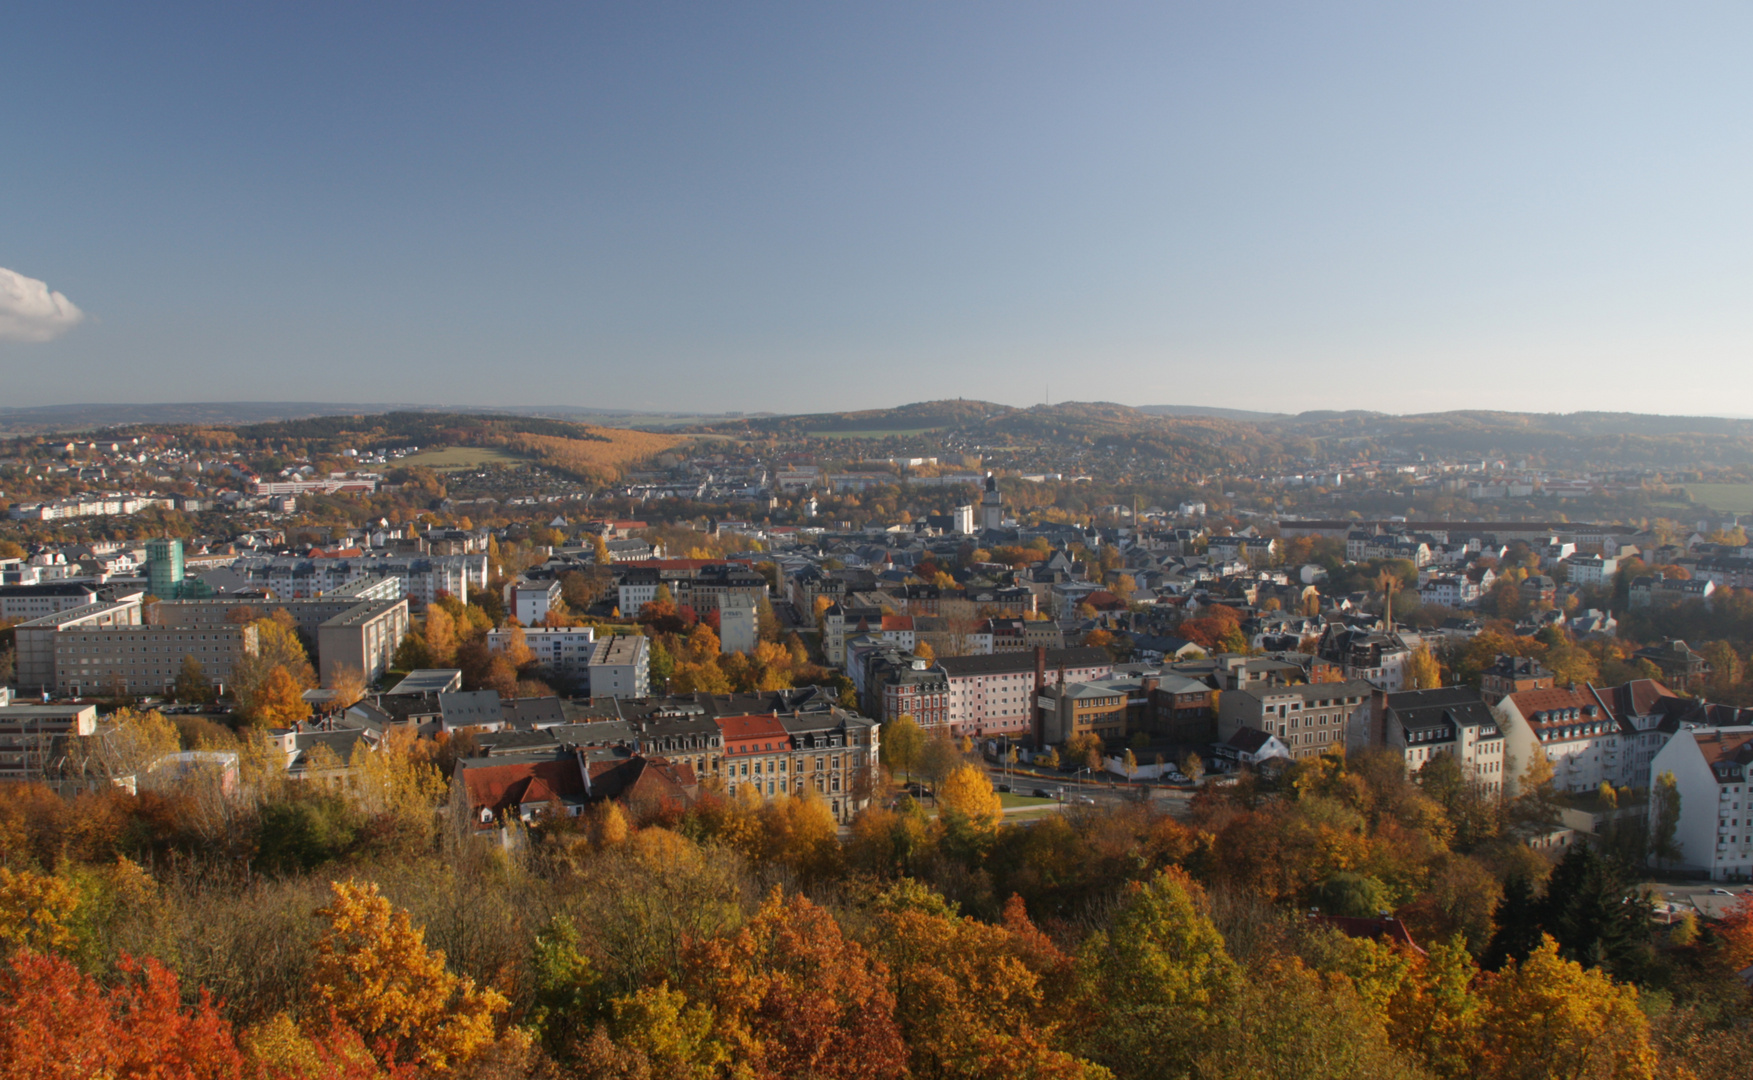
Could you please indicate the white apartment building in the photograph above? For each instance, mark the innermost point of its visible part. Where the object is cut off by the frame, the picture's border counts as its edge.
(566, 650)
(1710, 767)
(1579, 734)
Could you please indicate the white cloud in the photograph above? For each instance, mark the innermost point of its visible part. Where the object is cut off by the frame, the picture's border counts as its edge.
(30, 311)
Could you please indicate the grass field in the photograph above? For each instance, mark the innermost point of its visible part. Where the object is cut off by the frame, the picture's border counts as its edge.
(458, 458)
(1729, 498)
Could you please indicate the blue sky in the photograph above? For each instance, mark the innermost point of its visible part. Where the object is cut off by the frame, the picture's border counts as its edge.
(792, 207)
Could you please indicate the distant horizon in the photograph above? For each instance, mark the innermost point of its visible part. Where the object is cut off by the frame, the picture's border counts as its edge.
(1405, 209)
(293, 409)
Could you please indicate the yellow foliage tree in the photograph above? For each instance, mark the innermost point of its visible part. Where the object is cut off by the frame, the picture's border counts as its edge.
(280, 701)
(36, 911)
(374, 970)
(1422, 670)
(348, 683)
(968, 794)
(1549, 1016)
(440, 635)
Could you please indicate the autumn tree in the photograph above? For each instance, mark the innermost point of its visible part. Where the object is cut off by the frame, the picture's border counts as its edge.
(1547, 1016)
(56, 1021)
(374, 970)
(903, 742)
(976, 1000)
(1422, 670)
(966, 801)
(792, 996)
(278, 702)
(1156, 982)
(348, 684)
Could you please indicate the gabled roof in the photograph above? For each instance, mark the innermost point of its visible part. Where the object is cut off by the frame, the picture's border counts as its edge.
(1427, 710)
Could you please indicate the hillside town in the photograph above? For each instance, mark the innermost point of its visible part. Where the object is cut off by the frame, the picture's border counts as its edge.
(897, 640)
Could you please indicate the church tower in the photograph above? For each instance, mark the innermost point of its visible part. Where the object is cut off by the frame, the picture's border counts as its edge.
(991, 505)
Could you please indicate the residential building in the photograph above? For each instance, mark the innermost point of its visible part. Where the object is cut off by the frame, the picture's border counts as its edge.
(25, 602)
(35, 669)
(1681, 668)
(1572, 726)
(493, 793)
(1592, 569)
(1512, 675)
(358, 625)
(30, 734)
(564, 650)
(620, 667)
(1363, 653)
(1306, 719)
(1710, 769)
(995, 695)
(757, 752)
(144, 659)
(1666, 592)
(834, 755)
(1452, 720)
(912, 686)
(739, 629)
(530, 601)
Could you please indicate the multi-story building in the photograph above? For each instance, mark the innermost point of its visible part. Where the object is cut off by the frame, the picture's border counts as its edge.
(1710, 769)
(1370, 655)
(423, 578)
(1513, 675)
(145, 659)
(834, 755)
(565, 650)
(913, 687)
(1572, 726)
(25, 602)
(995, 695)
(530, 601)
(1179, 709)
(701, 584)
(1681, 668)
(739, 624)
(620, 667)
(29, 735)
(1306, 718)
(1452, 720)
(357, 626)
(1087, 708)
(36, 640)
(1591, 569)
(757, 754)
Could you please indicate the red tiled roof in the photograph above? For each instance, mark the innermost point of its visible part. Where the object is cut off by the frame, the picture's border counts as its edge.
(502, 787)
(745, 728)
(1530, 702)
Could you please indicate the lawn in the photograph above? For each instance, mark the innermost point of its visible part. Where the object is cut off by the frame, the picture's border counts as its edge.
(459, 458)
(1728, 498)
